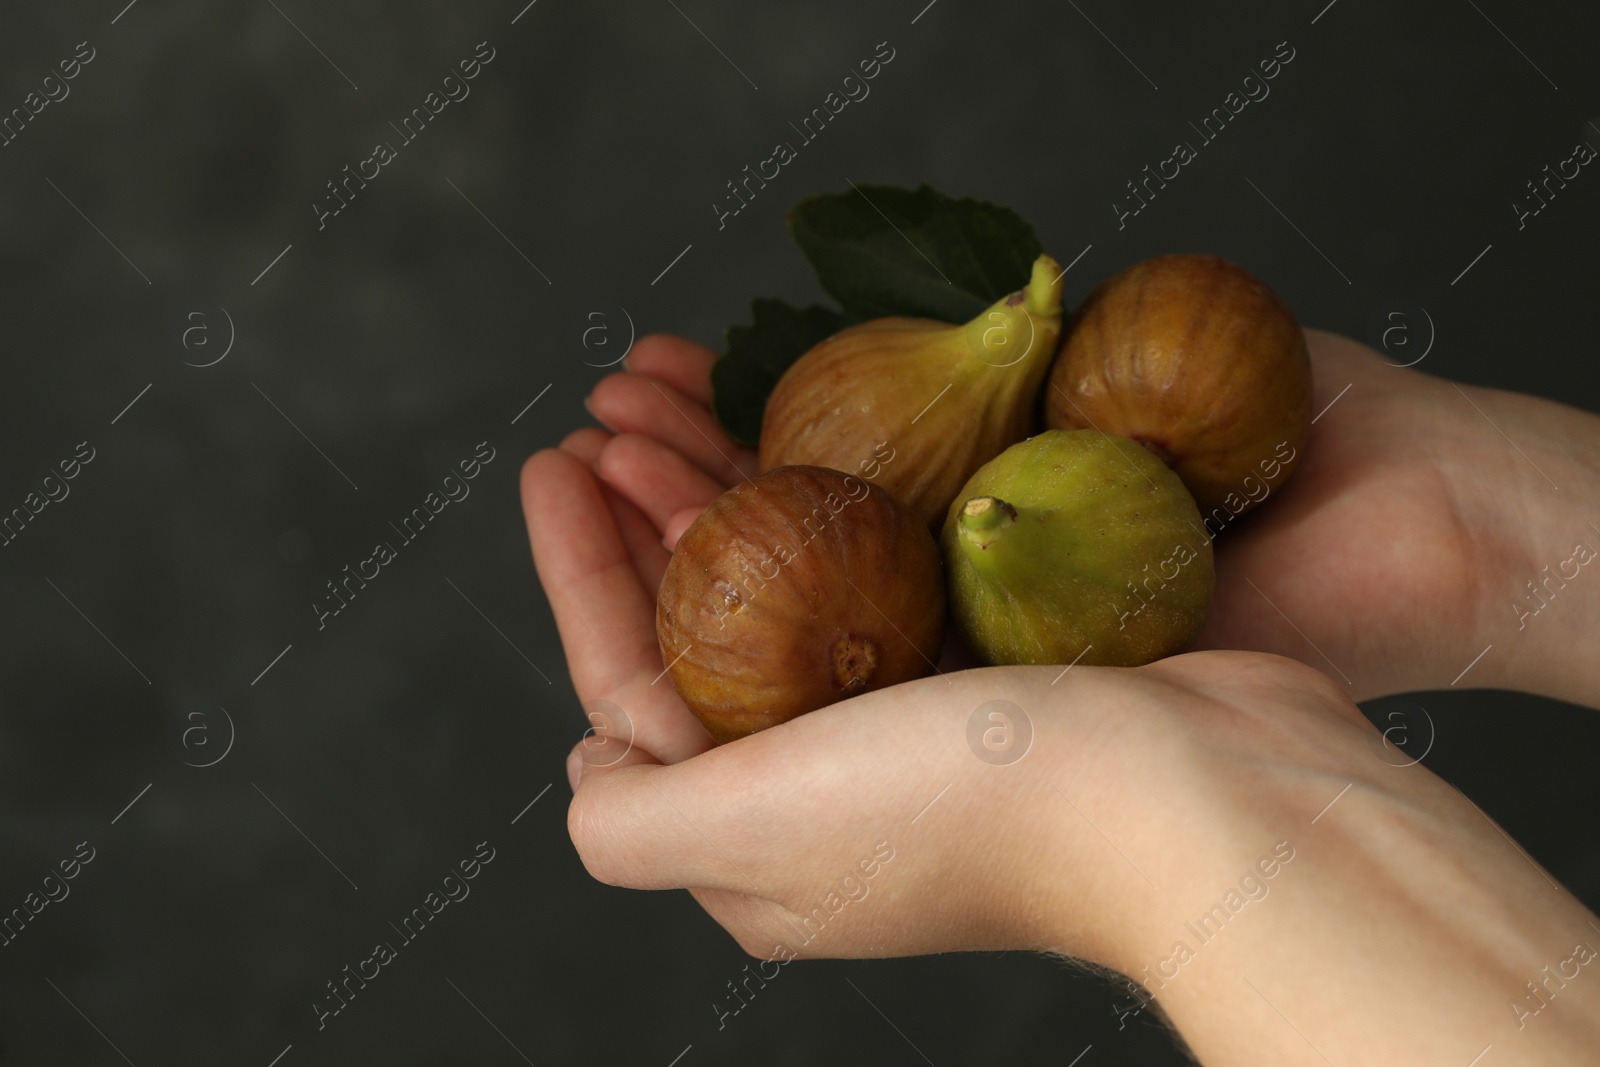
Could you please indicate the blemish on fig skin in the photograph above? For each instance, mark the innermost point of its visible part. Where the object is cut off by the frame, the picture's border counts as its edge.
(855, 661)
(732, 602)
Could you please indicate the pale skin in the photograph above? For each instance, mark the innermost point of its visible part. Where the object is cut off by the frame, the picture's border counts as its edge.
(1405, 926)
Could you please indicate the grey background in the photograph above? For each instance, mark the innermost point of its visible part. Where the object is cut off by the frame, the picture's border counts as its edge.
(409, 330)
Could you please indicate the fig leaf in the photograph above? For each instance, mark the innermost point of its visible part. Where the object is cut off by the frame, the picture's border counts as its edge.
(879, 250)
(758, 354)
(882, 250)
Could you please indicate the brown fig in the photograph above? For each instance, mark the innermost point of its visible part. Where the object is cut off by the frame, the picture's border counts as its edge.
(916, 405)
(1199, 361)
(795, 590)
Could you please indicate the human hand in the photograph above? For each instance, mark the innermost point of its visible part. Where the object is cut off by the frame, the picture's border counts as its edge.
(873, 827)
(1418, 513)
(1388, 562)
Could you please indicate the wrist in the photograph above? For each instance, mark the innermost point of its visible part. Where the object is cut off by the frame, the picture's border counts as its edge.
(1401, 896)
(1395, 952)
(1536, 497)
(1217, 828)
(1152, 819)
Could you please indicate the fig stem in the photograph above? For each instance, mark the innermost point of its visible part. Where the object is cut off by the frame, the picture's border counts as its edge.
(983, 517)
(1044, 286)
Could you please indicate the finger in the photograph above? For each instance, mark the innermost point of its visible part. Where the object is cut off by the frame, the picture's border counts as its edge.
(643, 828)
(701, 826)
(586, 571)
(633, 403)
(607, 749)
(585, 444)
(650, 555)
(674, 361)
(676, 525)
(655, 478)
(643, 539)
(605, 615)
(640, 536)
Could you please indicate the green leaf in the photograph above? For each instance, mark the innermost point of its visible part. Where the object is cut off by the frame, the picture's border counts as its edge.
(758, 354)
(881, 250)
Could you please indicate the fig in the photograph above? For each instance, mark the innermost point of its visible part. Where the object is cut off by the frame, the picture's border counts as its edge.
(1199, 361)
(794, 590)
(1077, 547)
(917, 405)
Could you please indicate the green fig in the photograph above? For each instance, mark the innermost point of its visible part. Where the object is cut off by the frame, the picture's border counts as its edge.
(915, 405)
(1077, 547)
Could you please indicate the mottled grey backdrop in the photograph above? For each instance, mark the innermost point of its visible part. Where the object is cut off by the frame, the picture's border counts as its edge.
(186, 156)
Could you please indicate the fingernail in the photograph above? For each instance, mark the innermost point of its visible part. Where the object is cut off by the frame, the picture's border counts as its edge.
(574, 769)
(587, 406)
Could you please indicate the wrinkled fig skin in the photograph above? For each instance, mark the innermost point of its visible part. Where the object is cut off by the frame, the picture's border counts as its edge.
(851, 401)
(1197, 360)
(785, 596)
(1072, 541)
